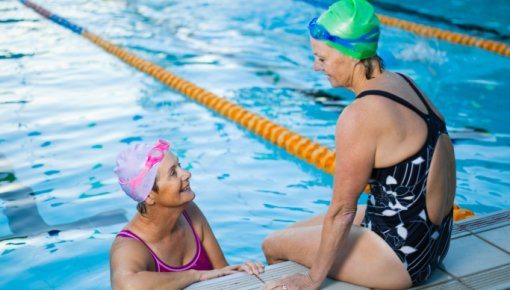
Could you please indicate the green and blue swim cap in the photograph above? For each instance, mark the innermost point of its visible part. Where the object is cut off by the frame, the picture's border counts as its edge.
(350, 26)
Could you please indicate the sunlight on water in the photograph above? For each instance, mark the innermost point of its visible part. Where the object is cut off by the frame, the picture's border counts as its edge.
(67, 108)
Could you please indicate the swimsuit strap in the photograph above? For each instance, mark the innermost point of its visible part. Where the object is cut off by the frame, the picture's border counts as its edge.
(425, 116)
(415, 89)
(438, 123)
(394, 98)
(420, 95)
(185, 214)
(197, 239)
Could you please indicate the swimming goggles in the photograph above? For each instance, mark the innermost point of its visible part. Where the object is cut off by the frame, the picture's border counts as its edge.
(156, 154)
(319, 32)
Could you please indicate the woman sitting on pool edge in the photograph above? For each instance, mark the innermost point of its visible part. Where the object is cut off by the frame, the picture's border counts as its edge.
(392, 137)
(168, 229)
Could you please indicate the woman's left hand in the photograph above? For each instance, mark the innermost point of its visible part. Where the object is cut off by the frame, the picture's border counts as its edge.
(292, 282)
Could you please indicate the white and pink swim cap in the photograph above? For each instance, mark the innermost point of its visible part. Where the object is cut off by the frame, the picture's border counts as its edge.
(137, 167)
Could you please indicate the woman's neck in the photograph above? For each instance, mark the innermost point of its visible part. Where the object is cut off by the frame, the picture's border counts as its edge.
(158, 223)
(359, 79)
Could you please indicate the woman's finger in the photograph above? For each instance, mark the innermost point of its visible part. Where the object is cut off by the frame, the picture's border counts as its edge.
(249, 267)
(260, 266)
(246, 268)
(256, 267)
(253, 269)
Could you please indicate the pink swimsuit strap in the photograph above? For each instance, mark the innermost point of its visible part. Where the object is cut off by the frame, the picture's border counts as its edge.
(199, 262)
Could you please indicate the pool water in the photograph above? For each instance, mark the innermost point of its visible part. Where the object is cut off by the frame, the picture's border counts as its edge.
(67, 108)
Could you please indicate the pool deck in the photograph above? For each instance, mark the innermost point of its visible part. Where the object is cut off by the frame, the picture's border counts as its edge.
(479, 258)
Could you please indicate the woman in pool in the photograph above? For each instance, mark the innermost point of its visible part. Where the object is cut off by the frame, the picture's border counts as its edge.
(391, 137)
(168, 244)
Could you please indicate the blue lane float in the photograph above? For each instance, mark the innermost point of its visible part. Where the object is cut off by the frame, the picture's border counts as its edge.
(54, 17)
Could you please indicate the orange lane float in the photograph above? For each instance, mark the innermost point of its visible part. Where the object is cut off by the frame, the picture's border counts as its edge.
(453, 37)
(320, 156)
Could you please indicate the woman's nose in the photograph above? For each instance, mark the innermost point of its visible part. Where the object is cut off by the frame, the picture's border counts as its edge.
(186, 174)
(317, 66)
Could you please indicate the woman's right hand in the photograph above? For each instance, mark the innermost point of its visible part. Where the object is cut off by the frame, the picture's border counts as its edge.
(252, 268)
(211, 274)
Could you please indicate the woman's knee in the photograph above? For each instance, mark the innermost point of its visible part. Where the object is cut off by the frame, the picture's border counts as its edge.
(271, 249)
(267, 245)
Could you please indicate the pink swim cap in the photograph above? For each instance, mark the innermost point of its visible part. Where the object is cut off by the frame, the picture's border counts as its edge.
(137, 167)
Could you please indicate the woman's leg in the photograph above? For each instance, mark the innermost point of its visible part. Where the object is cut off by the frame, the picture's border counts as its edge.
(364, 259)
(317, 220)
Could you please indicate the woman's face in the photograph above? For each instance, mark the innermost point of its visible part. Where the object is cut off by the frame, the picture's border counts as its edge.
(173, 182)
(339, 68)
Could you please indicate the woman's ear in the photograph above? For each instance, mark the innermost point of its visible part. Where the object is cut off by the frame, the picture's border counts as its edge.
(358, 67)
(150, 198)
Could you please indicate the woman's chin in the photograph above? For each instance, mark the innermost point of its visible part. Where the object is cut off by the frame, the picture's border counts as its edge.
(189, 193)
(335, 84)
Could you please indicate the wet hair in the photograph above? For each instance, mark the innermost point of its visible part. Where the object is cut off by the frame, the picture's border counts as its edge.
(368, 64)
(141, 207)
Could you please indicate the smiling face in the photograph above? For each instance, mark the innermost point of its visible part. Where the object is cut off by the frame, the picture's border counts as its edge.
(339, 68)
(173, 183)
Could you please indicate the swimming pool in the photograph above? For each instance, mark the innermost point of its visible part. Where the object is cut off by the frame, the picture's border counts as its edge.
(68, 108)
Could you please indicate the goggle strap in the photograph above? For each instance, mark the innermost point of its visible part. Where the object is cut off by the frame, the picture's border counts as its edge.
(318, 31)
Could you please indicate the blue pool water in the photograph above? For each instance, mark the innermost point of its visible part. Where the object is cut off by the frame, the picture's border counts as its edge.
(67, 108)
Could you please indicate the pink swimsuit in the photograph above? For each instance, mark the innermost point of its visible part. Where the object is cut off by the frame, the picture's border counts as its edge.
(199, 262)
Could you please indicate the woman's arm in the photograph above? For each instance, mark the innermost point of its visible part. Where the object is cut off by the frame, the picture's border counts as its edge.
(356, 147)
(130, 269)
(130, 264)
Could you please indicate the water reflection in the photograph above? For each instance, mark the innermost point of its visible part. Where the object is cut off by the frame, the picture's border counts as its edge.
(24, 219)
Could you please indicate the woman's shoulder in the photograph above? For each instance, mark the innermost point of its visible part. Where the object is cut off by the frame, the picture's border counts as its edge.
(128, 251)
(127, 237)
(369, 117)
(192, 210)
(388, 82)
(378, 95)
(364, 111)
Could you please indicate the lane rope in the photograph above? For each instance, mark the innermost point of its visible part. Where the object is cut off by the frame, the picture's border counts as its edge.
(453, 37)
(304, 148)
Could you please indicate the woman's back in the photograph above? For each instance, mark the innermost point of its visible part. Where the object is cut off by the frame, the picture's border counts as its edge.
(406, 133)
(413, 182)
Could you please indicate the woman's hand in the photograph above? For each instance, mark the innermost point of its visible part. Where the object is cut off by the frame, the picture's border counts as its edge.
(292, 282)
(252, 268)
(211, 274)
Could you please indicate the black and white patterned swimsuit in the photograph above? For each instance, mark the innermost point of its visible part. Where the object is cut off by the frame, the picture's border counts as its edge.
(396, 207)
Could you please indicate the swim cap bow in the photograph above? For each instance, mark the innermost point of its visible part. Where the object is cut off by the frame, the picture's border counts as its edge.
(350, 26)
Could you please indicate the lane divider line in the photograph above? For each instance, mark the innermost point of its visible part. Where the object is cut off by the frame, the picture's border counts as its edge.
(453, 37)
